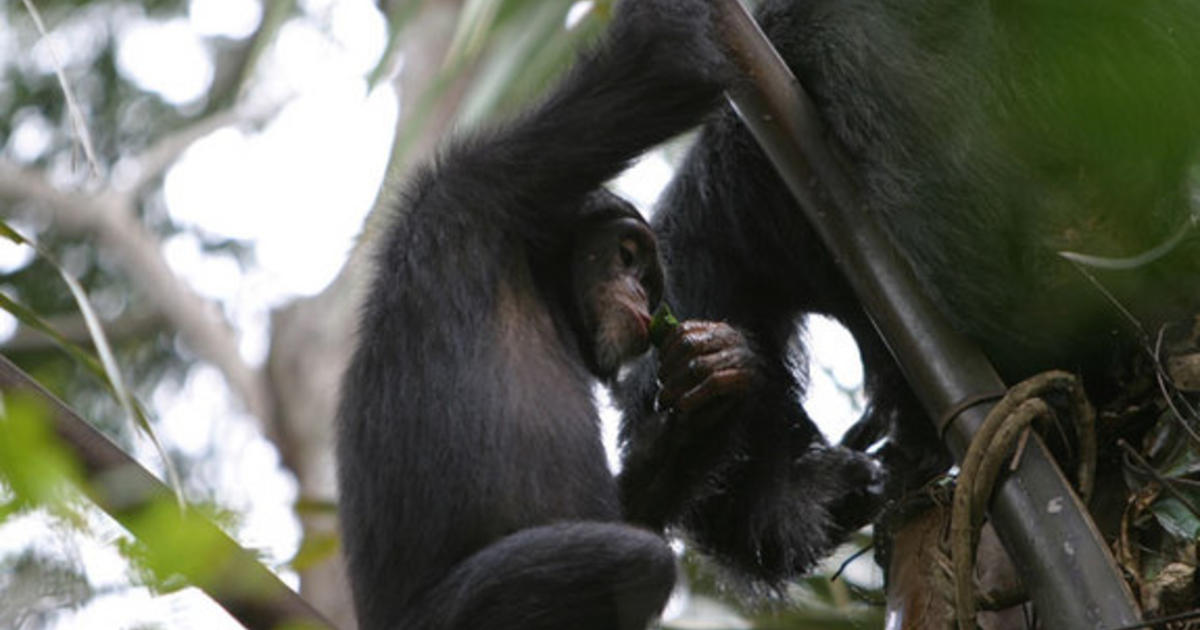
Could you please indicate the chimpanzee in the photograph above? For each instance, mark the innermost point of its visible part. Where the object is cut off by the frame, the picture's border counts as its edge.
(988, 138)
(474, 486)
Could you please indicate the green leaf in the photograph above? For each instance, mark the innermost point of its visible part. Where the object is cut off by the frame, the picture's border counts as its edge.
(662, 324)
(176, 547)
(314, 550)
(1175, 456)
(33, 461)
(1174, 517)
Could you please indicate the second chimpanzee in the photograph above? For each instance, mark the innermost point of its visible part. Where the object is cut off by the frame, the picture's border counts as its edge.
(988, 138)
(474, 486)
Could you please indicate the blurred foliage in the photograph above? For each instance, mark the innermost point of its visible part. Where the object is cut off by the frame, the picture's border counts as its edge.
(30, 93)
(33, 588)
(37, 472)
(526, 48)
(104, 367)
(186, 548)
(314, 550)
(36, 467)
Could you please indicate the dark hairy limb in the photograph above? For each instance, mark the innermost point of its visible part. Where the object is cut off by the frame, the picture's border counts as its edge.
(470, 466)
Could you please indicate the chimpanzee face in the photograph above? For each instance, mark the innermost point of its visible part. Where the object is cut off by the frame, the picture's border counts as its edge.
(617, 280)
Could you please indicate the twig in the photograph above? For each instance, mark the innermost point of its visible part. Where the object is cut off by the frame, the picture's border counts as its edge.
(1166, 484)
(1161, 375)
(1163, 621)
(854, 556)
(77, 119)
(1137, 324)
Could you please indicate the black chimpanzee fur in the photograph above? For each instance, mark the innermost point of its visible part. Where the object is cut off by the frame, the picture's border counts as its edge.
(985, 136)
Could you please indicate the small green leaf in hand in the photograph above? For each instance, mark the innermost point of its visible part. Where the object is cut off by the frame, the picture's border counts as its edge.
(662, 324)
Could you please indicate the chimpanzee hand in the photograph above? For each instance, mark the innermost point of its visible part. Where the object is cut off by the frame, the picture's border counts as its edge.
(680, 35)
(705, 367)
(705, 370)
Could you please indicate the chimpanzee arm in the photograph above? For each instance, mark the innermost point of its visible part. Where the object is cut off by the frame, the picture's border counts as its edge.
(657, 71)
(767, 494)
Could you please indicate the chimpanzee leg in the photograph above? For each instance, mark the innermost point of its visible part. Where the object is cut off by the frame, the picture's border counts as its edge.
(913, 453)
(580, 575)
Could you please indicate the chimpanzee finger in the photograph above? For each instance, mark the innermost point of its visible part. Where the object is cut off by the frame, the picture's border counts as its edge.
(678, 378)
(715, 386)
(683, 338)
(693, 338)
(686, 377)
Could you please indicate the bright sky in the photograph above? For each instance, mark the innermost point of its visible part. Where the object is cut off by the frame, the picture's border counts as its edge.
(299, 190)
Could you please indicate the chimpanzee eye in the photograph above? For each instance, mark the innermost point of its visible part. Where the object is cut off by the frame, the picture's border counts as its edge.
(629, 252)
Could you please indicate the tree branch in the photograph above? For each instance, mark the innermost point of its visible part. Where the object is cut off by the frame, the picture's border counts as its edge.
(75, 330)
(110, 217)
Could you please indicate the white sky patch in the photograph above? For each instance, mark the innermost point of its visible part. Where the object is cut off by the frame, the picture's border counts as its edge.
(360, 30)
(165, 57)
(31, 135)
(834, 346)
(643, 183)
(8, 325)
(610, 427)
(306, 60)
(188, 411)
(188, 609)
(300, 190)
(344, 142)
(834, 398)
(862, 571)
(15, 256)
(228, 18)
(577, 12)
(252, 316)
(214, 276)
(303, 59)
(213, 187)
